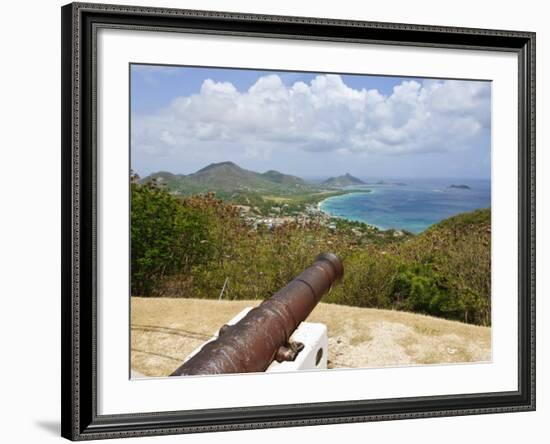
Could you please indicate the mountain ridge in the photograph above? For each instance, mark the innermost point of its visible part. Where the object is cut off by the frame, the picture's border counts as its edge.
(228, 176)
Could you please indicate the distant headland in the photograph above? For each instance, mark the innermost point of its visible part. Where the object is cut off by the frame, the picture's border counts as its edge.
(460, 187)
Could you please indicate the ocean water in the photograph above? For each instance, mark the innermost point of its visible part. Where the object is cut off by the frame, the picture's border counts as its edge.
(409, 204)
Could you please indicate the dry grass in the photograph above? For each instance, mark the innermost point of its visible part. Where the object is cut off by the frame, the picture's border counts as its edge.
(278, 199)
(165, 331)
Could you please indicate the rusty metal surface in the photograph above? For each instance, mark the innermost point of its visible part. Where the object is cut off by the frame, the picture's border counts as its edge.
(263, 334)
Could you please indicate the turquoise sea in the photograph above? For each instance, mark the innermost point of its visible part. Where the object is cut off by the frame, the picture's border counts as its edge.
(409, 204)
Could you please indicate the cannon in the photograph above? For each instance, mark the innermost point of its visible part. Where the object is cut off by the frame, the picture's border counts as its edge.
(263, 335)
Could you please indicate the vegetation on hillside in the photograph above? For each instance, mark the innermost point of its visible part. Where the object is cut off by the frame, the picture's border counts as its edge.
(343, 181)
(270, 193)
(228, 177)
(201, 246)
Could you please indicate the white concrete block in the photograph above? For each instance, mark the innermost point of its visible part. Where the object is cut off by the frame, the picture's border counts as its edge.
(314, 355)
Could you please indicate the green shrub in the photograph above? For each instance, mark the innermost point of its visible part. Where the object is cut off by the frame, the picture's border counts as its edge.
(368, 279)
(166, 237)
(419, 288)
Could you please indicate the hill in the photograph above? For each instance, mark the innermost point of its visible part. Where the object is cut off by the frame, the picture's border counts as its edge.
(165, 178)
(342, 181)
(448, 269)
(229, 177)
(166, 330)
(287, 179)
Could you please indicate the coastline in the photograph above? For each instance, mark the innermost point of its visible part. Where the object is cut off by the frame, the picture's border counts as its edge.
(396, 210)
(323, 210)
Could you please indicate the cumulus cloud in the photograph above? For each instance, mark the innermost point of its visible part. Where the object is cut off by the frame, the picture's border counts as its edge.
(322, 115)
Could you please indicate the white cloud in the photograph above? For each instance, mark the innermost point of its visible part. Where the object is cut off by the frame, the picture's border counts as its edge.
(324, 115)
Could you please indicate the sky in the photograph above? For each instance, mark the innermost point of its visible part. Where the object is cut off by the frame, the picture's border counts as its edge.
(313, 125)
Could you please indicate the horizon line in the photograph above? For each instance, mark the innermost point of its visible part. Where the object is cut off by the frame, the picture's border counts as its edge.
(301, 175)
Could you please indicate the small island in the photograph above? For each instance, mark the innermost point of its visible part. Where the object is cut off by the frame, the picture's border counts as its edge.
(460, 187)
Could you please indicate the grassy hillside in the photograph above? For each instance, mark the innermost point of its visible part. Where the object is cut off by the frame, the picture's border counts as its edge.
(285, 179)
(265, 193)
(196, 246)
(165, 330)
(227, 177)
(343, 181)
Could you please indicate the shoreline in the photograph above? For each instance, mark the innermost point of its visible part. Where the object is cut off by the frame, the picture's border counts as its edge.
(322, 209)
(335, 216)
(343, 193)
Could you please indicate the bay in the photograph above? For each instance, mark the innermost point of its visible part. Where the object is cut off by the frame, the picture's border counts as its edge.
(409, 204)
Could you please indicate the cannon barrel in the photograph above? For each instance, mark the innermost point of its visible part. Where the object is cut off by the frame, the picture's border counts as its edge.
(263, 334)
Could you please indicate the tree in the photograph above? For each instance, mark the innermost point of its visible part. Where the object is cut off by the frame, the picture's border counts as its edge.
(166, 237)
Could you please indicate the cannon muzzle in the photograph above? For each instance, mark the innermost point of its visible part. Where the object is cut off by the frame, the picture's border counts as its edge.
(262, 336)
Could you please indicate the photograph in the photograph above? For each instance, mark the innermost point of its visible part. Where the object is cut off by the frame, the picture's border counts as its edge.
(286, 221)
(293, 220)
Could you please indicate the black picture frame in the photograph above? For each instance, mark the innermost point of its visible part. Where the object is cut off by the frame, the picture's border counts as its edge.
(78, 333)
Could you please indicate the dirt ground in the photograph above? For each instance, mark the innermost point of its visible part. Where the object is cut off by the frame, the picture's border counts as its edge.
(165, 331)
